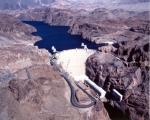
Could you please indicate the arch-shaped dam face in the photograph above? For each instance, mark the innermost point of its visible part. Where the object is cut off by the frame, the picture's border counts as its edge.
(73, 61)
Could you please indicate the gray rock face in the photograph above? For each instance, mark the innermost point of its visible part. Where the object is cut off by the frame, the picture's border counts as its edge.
(111, 25)
(12, 25)
(38, 92)
(51, 16)
(129, 75)
(38, 97)
(132, 82)
(13, 31)
(29, 86)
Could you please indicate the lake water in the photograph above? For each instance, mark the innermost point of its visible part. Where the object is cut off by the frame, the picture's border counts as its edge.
(57, 36)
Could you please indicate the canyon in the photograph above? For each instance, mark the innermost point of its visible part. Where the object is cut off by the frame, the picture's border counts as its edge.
(31, 88)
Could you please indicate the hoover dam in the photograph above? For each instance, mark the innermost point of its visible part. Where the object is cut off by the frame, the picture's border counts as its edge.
(74, 60)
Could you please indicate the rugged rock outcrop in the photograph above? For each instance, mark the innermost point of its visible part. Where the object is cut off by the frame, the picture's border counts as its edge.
(29, 86)
(13, 31)
(124, 68)
(16, 45)
(38, 92)
(98, 25)
(52, 16)
(117, 25)
(10, 24)
(131, 81)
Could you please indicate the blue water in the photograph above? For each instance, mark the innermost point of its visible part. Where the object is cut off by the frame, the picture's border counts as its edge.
(57, 36)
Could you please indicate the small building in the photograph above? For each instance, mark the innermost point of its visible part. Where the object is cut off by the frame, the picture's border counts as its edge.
(54, 49)
(116, 95)
(95, 87)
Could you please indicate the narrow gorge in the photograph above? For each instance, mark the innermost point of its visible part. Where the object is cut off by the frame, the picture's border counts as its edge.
(108, 46)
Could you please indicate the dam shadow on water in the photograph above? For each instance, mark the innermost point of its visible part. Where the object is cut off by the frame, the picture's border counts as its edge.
(58, 37)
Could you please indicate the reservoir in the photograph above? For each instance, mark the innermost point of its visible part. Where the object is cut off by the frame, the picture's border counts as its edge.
(58, 37)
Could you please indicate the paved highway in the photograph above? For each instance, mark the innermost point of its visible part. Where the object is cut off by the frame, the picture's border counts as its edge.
(73, 98)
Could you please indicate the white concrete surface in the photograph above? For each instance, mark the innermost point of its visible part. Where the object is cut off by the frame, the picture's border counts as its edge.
(73, 61)
(96, 87)
(54, 49)
(118, 94)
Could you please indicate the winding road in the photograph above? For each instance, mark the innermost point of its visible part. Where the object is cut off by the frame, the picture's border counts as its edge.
(73, 98)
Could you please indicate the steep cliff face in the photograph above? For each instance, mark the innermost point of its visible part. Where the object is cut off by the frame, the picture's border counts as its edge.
(132, 82)
(129, 75)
